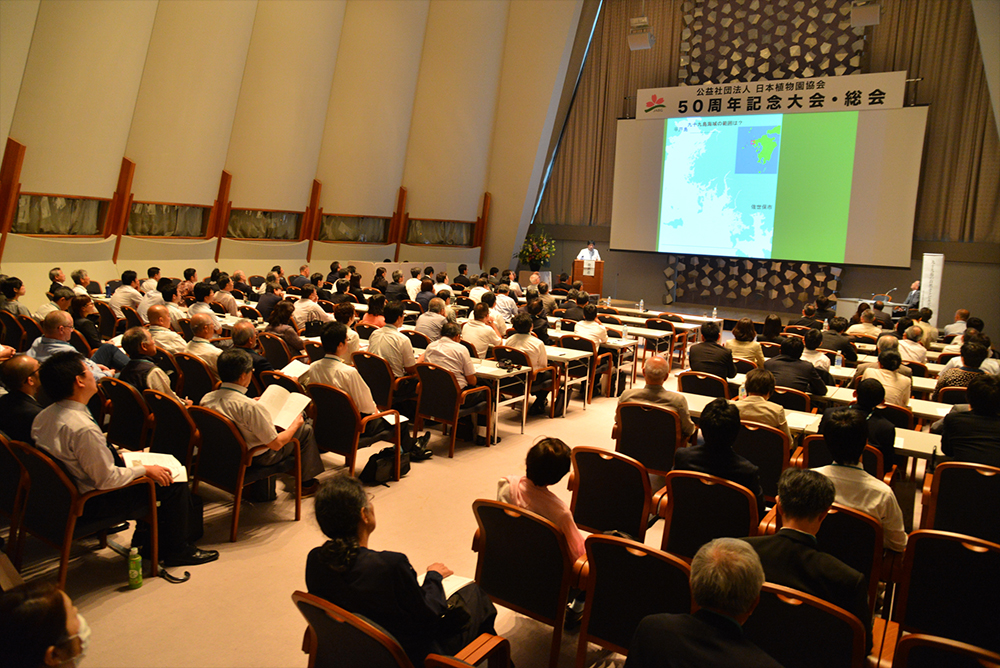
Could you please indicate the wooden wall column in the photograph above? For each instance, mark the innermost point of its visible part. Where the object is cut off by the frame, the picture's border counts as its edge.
(479, 235)
(312, 219)
(10, 187)
(396, 234)
(121, 205)
(218, 220)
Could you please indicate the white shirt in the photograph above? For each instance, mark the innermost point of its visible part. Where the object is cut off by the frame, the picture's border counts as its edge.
(476, 293)
(253, 420)
(67, 431)
(332, 370)
(990, 365)
(438, 287)
(392, 346)
(176, 314)
(481, 335)
(125, 295)
(956, 327)
(859, 490)
(44, 310)
(152, 298)
(353, 345)
(170, 341)
(817, 359)
(412, 288)
(531, 347)
(912, 351)
(306, 310)
(148, 285)
(80, 290)
(588, 254)
(593, 330)
(897, 386)
(863, 329)
(506, 306)
(209, 354)
(453, 356)
(203, 308)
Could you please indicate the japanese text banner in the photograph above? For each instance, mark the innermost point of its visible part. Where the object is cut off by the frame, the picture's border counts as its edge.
(884, 90)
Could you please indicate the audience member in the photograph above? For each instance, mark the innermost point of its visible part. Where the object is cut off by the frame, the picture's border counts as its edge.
(159, 328)
(590, 327)
(245, 338)
(834, 339)
(463, 276)
(743, 344)
(152, 278)
(19, 406)
(272, 295)
(563, 283)
(972, 433)
(790, 370)
(823, 311)
(808, 318)
(346, 315)
(441, 283)
(127, 294)
(930, 332)
(57, 328)
(499, 322)
(41, 627)
(307, 308)
(480, 288)
(506, 305)
(396, 291)
(186, 287)
(58, 279)
(61, 297)
(870, 402)
(792, 557)
(973, 356)
(846, 434)
(881, 318)
(897, 386)
(961, 322)
(865, 327)
(710, 357)
(257, 425)
(973, 323)
(279, 275)
(885, 343)
(479, 331)
(862, 307)
(989, 365)
(534, 350)
(756, 407)
(374, 315)
(507, 276)
(539, 322)
(173, 303)
(67, 432)
(240, 283)
(204, 295)
(720, 425)
(391, 345)
(655, 371)
(224, 297)
(200, 345)
(813, 340)
(141, 372)
(772, 330)
(281, 323)
(430, 323)
(726, 578)
(548, 301)
(426, 293)
(13, 289)
(910, 349)
(354, 287)
(80, 282)
(334, 272)
(575, 310)
(153, 297)
(302, 278)
(413, 284)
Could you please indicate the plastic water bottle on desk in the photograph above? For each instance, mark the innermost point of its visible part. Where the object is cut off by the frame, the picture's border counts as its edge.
(743, 391)
(642, 305)
(715, 312)
(559, 325)
(134, 569)
(839, 360)
(607, 301)
(624, 331)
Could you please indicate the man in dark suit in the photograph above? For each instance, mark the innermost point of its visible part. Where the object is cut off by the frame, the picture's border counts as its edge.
(824, 312)
(575, 312)
(317, 280)
(808, 318)
(341, 295)
(709, 357)
(726, 577)
(881, 431)
(834, 339)
(720, 425)
(463, 276)
(272, 295)
(973, 435)
(791, 371)
(302, 278)
(792, 557)
(240, 283)
(19, 407)
(563, 283)
(279, 274)
(396, 290)
(882, 319)
(245, 337)
(334, 272)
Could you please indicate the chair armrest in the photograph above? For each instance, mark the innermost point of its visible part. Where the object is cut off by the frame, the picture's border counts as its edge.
(926, 497)
(397, 381)
(304, 358)
(892, 566)
(487, 647)
(260, 449)
(597, 360)
(571, 481)
(770, 524)
(472, 390)
(476, 541)
(658, 497)
(892, 476)
(798, 459)
(141, 480)
(581, 572)
(368, 418)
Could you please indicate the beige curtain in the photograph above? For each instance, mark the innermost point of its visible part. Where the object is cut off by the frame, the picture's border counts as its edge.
(582, 178)
(959, 197)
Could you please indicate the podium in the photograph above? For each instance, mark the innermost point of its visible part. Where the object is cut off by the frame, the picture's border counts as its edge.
(591, 272)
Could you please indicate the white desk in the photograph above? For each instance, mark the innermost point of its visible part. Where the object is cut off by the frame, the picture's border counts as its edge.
(567, 359)
(798, 421)
(869, 349)
(498, 379)
(931, 410)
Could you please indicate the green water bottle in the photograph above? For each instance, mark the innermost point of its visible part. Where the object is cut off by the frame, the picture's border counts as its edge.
(134, 569)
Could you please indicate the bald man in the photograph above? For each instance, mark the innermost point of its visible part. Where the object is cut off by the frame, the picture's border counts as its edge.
(245, 337)
(203, 328)
(19, 407)
(57, 328)
(654, 372)
(159, 328)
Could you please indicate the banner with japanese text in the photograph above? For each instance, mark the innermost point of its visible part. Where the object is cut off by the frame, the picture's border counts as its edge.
(857, 92)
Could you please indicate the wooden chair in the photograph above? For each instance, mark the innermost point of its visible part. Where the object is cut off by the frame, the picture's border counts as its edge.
(378, 375)
(198, 377)
(337, 638)
(524, 564)
(856, 539)
(516, 389)
(635, 422)
(744, 366)
(13, 489)
(226, 462)
(314, 351)
(919, 650)
(132, 318)
(275, 350)
(186, 330)
(919, 369)
(129, 423)
(791, 400)
(31, 330)
(700, 507)
(769, 449)
(566, 325)
(336, 413)
(77, 340)
(813, 453)
(625, 582)
(168, 364)
(955, 491)
(944, 358)
(108, 323)
(417, 340)
(836, 638)
(439, 398)
(268, 378)
(173, 432)
(13, 332)
(770, 349)
(364, 330)
(610, 492)
(796, 329)
(54, 508)
(256, 281)
(664, 346)
(610, 319)
(600, 363)
(953, 395)
(250, 313)
(900, 416)
(706, 384)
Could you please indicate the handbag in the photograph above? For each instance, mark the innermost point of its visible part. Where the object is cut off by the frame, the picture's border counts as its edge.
(379, 469)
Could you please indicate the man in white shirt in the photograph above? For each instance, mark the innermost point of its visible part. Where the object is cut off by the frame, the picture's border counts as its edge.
(590, 327)
(200, 345)
(159, 328)
(897, 386)
(68, 433)
(479, 331)
(127, 294)
(204, 295)
(308, 309)
(224, 297)
(508, 277)
(506, 305)
(153, 274)
(442, 283)
(476, 293)
(588, 253)
(61, 298)
(346, 315)
(534, 350)
(865, 327)
(80, 281)
(909, 346)
(846, 434)
(153, 297)
(172, 301)
(448, 353)
(499, 323)
(930, 332)
(813, 340)
(391, 345)
(333, 370)
(413, 283)
(429, 324)
(957, 327)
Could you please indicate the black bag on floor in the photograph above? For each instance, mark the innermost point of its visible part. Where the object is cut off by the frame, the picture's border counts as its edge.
(379, 469)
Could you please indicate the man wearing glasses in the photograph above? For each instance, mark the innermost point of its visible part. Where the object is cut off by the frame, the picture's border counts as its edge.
(56, 331)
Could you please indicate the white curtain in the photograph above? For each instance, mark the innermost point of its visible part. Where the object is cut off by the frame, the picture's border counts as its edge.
(440, 232)
(43, 214)
(263, 225)
(167, 220)
(354, 228)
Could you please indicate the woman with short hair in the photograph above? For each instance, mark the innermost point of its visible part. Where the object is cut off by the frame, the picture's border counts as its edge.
(744, 344)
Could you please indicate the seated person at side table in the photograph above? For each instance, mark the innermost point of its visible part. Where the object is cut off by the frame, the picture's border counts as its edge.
(744, 344)
(257, 425)
(61, 297)
(720, 425)
(870, 398)
(910, 348)
(18, 407)
(846, 435)
(57, 328)
(430, 323)
(307, 308)
(973, 356)
(792, 558)
(971, 432)
(791, 371)
(755, 406)
(885, 343)
(808, 318)
(710, 357)
(726, 578)
(67, 432)
(989, 365)
(382, 586)
(897, 386)
(882, 319)
(479, 331)
(865, 327)
(813, 340)
(655, 371)
(534, 350)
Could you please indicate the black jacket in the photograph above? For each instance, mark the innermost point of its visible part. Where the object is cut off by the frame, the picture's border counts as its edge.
(710, 357)
(17, 412)
(796, 374)
(726, 464)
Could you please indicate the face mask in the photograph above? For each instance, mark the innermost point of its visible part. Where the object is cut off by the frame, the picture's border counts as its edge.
(84, 635)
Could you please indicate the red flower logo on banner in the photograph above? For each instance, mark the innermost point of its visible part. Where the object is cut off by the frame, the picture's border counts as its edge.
(654, 103)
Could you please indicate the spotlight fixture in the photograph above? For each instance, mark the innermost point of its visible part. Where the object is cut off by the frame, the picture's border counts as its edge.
(640, 34)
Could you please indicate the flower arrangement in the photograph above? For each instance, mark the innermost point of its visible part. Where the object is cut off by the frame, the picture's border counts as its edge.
(537, 249)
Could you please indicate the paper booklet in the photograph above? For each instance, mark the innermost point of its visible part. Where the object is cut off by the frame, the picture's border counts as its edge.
(282, 405)
(177, 470)
(295, 369)
(450, 584)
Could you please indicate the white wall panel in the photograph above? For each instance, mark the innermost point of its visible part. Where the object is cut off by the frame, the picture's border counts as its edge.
(172, 256)
(78, 92)
(448, 154)
(371, 105)
(539, 42)
(187, 101)
(282, 105)
(17, 23)
(30, 258)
